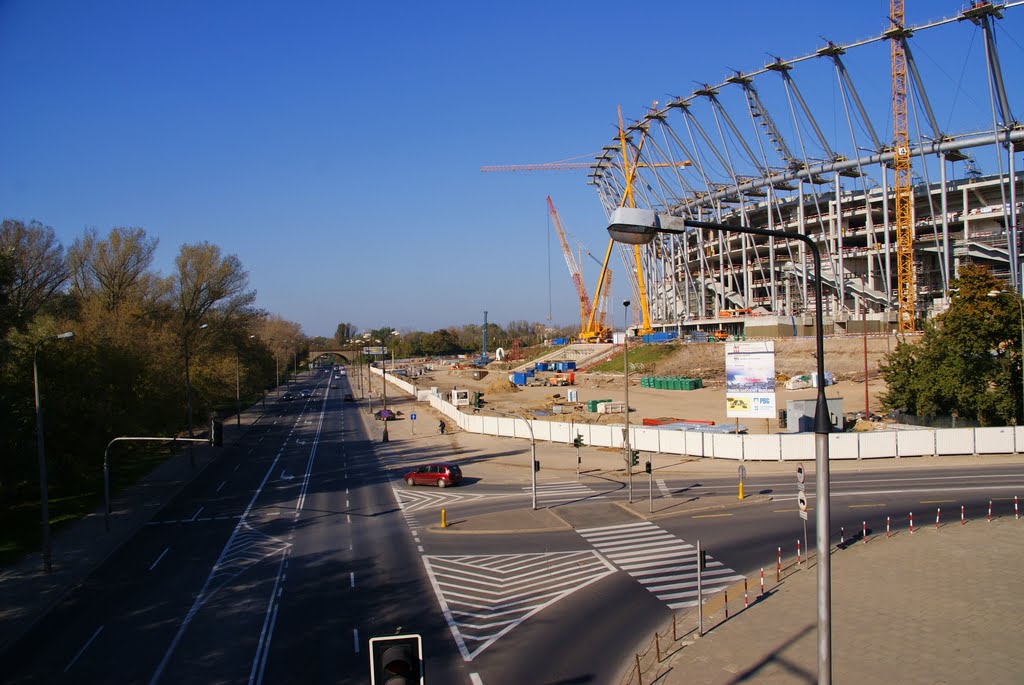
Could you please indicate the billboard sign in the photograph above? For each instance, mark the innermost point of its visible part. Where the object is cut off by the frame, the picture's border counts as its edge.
(750, 380)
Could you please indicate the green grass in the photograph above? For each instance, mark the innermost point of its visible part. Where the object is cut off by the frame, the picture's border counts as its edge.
(69, 502)
(644, 354)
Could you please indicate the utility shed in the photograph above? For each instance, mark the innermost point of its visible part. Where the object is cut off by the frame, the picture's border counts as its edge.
(799, 416)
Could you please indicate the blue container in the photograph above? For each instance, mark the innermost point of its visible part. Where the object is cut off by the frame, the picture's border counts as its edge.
(570, 366)
(519, 378)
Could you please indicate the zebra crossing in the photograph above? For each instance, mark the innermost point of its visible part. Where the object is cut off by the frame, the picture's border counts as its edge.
(426, 498)
(564, 491)
(664, 564)
(485, 596)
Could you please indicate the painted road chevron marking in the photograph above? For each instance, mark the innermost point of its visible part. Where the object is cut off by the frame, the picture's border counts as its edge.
(485, 596)
(568, 491)
(661, 562)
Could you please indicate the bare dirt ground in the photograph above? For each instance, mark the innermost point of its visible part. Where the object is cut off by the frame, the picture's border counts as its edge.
(844, 357)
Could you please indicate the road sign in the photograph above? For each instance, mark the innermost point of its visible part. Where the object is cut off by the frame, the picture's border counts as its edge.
(800, 474)
(412, 417)
(801, 501)
(375, 350)
(742, 471)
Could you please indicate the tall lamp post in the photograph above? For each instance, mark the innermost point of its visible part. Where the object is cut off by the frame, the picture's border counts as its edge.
(625, 375)
(44, 498)
(188, 395)
(636, 226)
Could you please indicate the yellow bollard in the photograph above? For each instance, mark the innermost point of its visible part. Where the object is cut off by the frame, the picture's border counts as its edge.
(741, 490)
(444, 518)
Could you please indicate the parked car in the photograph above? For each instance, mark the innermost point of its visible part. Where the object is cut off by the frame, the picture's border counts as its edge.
(348, 397)
(442, 475)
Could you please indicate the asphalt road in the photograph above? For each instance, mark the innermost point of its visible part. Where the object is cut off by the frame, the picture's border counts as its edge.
(285, 555)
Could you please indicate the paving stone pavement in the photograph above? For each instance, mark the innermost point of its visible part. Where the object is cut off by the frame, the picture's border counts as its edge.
(939, 606)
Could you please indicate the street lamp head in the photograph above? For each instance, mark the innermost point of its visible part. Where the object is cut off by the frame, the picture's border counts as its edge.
(634, 226)
(625, 303)
(205, 325)
(66, 335)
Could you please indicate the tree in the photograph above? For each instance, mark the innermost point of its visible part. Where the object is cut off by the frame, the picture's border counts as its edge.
(345, 332)
(968, 362)
(112, 269)
(205, 282)
(39, 267)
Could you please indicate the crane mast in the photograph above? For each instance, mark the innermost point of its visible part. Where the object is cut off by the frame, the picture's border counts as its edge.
(901, 164)
(574, 269)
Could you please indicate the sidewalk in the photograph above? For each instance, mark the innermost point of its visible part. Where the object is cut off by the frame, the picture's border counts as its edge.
(27, 593)
(938, 606)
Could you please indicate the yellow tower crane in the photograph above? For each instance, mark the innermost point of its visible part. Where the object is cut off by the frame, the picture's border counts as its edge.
(901, 164)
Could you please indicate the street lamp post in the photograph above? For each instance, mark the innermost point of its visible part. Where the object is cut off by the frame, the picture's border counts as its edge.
(44, 498)
(638, 227)
(533, 453)
(188, 396)
(625, 375)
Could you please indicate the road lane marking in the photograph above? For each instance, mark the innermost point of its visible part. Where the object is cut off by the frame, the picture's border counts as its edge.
(196, 514)
(236, 467)
(82, 650)
(937, 501)
(711, 516)
(861, 506)
(153, 565)
(475, 679)
(312, 456)
(203, 595)
(355, 640)
(221, 486)
(352, 578)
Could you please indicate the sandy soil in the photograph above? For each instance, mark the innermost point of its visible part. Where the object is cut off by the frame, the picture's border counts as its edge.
(844, 357)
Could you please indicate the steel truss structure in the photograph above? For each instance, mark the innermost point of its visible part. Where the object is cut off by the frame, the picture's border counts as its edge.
(759, 157)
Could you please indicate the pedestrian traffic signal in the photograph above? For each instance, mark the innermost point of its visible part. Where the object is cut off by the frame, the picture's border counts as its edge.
(396, 660)
(647, 466)
(634, 457)
(217, 433)
(536, 465)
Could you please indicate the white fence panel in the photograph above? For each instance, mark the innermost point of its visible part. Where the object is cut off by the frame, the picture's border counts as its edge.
(915, 443)
(695, 443)
(645, 439)
(542, 429)
(762, 447)
(562, 432)
(878, 444)
(725, 446)
(954, 441)
(490, 425)
(672, 442)
(1018, 438)
(473, 424)
(601, 436)
(843, 446)
(993, 440)
(797, 446)
(507, 427)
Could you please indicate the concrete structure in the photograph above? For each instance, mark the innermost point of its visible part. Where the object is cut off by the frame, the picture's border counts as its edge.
(751, 151)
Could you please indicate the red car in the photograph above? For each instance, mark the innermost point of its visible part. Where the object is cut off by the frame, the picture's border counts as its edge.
(441, 475)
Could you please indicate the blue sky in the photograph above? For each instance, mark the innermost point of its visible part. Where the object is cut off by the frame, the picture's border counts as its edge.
(335, 147)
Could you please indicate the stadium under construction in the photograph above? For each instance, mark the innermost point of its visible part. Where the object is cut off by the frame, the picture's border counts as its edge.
(895, 209)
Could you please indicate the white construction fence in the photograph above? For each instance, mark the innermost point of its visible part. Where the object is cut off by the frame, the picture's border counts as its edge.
(778, 447)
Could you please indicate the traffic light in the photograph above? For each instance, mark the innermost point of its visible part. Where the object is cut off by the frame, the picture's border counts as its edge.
(634, 457)
(217, 433)
(536, 465)
(703, 560)
(647, 466)
(577, 442)
(396, 660)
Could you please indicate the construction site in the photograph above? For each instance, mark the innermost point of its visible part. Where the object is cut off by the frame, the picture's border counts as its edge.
(895, 191)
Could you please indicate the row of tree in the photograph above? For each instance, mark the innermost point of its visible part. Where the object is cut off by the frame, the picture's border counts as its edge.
(136, 335)
(465, 339)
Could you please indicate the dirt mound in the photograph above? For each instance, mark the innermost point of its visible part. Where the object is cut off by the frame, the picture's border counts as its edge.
(502, 386)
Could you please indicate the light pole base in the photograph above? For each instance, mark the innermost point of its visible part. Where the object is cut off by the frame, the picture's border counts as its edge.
(384, 438)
